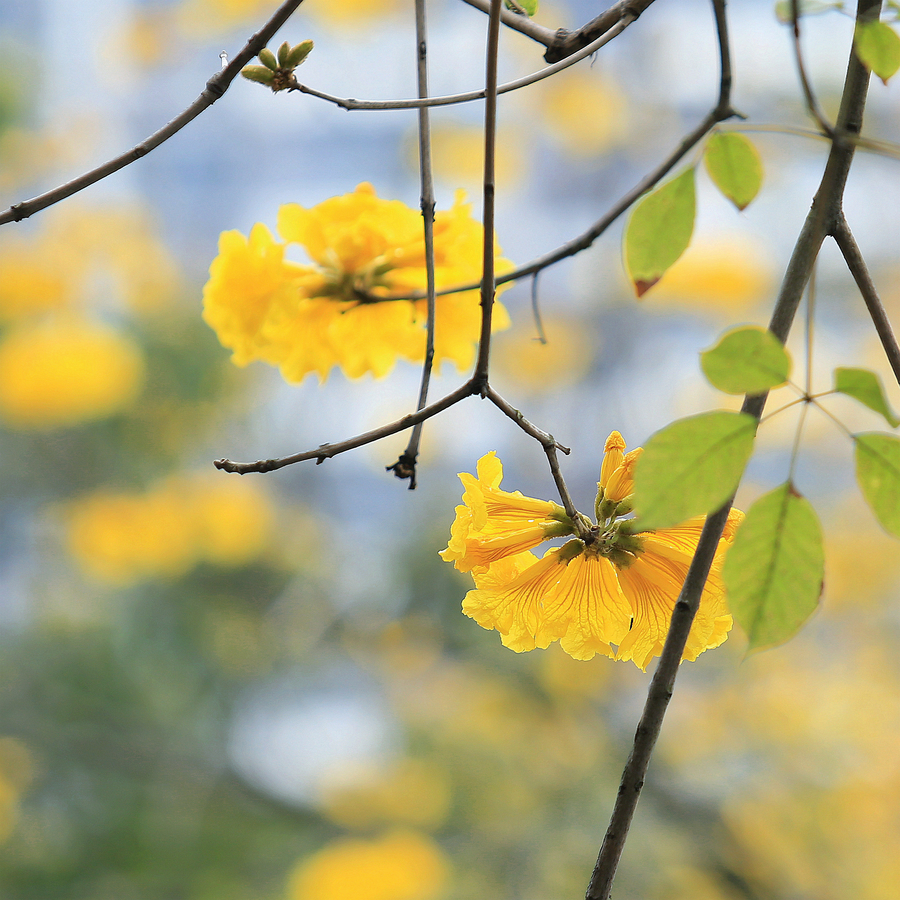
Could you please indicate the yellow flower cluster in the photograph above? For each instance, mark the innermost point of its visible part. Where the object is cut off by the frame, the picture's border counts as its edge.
(617, 587)
(126, 537)
(404, 865)
(310, 318)
(64, 371)
(58, 366)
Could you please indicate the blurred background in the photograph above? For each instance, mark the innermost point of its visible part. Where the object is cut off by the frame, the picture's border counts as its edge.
(263, 688)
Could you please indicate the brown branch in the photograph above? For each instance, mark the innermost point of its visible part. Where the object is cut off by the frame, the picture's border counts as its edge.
(215, 88)
(856, 264)
(327, 451)
(812, 104)
(562, 43)
(405, 467)
(488, 284)
(350, 103)
(823, 214)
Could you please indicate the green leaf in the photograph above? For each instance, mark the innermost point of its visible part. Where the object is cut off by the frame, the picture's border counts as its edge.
(807, 8)
(659, 230)
(529, 7)
(692, 467)
(734, 166)
(878, 47)
(774, 570)
(865, 386)
(878, 475)
(746, 361)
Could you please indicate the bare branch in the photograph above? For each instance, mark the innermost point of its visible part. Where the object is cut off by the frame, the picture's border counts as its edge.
(857, 266)
(563, 43)
(215, 88)
(405, 467)
(488, 284)
(449, 99)
(823, 213)
(326, 451)
(812, 104)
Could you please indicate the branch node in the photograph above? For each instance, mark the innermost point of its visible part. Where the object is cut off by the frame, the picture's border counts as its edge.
(405, 468)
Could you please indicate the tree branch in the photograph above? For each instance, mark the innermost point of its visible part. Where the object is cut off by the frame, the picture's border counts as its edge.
(563, 43)
(215, 88)
(822, 212)
(843, 237)
(405, 467)
(449, 99)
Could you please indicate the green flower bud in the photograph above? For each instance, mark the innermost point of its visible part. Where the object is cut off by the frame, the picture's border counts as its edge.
(629, 542)
(267, 58)
(625, 506)
(606, 509)
(630, 526)
(284, 51)
(260, 74)
(299, 53)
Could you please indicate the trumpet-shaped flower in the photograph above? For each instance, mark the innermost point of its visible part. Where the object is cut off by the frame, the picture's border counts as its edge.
(337, 310)
(492, 523)
(611, 591)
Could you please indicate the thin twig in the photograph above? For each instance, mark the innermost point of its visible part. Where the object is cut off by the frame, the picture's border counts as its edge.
(562, 43)
(327, 451)
(536, 309)
(350, 103)
(405, 467)
(488, 285)
(824, 209)
(856, 264)
(551, 446)
(523, 24)
(215, 88)
(812, 104)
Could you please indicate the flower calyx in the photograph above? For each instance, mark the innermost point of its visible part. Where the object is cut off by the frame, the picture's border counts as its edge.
(616, 538)
(277, 72)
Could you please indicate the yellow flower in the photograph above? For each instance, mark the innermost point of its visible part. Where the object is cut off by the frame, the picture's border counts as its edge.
(64, 372)
(310, 318)
(404, 865)
(492, 524)
(611, 592)
(124, 538)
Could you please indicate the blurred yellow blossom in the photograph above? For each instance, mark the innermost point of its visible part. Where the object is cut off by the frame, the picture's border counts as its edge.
(413, 792)
(585, 111)
(33, 280)
(87, 257)
(65, 371)
(219, 16)
(126, 537)
(724, 274)
(16, 773)
(564, 360)
(404, 865)
(309, 318)
(617, 587)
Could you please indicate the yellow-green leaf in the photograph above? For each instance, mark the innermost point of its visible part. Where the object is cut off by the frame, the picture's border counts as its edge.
(692, 467)
(773, 571)
(659, 230)
(746, 361)
(529, 7)
(734, 166)
(807, 8)
(865, 386)
(878, 47)
(878, 476)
